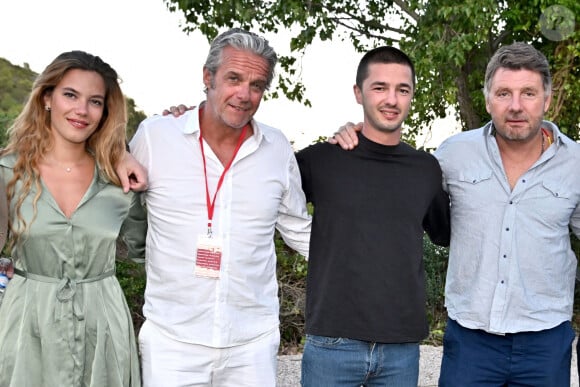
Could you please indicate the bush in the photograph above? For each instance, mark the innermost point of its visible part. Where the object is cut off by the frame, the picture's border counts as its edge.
(435, 259)
(291, 273)
(131, 276)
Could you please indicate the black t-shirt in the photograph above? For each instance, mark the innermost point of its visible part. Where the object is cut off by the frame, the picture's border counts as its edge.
(366, 278)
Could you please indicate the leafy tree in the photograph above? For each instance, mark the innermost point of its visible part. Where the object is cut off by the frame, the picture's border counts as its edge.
(449, 42)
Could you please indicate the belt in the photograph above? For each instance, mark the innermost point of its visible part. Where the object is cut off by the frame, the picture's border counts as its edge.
(66, 312)
(67, 286)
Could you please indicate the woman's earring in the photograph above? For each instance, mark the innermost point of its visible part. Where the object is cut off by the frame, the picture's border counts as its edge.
(47, 108)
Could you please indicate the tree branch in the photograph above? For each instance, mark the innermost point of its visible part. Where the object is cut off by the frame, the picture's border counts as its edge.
(496, 42)
(362, 21)
(366, 33)
(405, 8)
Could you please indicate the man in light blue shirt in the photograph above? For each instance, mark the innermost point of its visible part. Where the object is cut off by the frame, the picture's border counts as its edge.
(515, 195)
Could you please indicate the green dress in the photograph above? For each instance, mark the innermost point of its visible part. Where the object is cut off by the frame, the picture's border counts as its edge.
(64, 320)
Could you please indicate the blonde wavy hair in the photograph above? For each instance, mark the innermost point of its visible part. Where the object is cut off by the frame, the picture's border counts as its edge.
(30, 135)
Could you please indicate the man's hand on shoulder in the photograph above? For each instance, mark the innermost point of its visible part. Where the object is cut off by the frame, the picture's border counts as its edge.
(346, 135)
(178, 110)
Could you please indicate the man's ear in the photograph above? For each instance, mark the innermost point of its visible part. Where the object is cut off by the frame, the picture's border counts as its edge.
(357, 94)
(207, 78)
(547, 103)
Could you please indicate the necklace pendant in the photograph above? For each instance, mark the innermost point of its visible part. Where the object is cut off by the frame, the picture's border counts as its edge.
(68, 169)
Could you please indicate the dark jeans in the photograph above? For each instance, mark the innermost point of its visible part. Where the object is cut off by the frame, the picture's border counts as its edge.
(474, 357)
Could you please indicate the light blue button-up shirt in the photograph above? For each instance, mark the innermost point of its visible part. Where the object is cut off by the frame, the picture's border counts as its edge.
(511, 266)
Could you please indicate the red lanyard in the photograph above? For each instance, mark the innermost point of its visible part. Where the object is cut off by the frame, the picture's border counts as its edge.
(546, 133)
(211, 203)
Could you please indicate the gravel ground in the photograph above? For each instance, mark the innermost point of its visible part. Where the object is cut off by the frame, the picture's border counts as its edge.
(430, 360)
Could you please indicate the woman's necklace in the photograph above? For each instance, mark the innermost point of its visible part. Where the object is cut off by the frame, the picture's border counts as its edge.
(67, 168)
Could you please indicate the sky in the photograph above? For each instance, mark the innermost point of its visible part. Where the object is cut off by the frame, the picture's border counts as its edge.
(160, 65)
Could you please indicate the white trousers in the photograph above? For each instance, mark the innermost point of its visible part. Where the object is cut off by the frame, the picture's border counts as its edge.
(170, 363)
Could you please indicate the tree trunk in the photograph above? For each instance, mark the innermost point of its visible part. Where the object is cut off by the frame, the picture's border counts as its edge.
(469, 117)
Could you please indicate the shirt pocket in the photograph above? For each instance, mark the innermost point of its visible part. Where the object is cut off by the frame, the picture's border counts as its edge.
(555, 204)
(470, 190)
(474, 176)
(557, 189)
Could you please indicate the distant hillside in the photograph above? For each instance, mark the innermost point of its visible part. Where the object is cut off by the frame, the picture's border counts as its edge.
(15, 85)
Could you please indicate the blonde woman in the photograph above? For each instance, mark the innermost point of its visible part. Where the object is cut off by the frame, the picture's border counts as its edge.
(64, 320)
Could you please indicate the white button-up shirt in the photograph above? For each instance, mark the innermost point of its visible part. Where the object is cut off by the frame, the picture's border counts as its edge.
(260, 193)
(511, 266)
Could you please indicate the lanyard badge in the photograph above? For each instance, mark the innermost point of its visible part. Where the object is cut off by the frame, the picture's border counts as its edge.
(208, 257)
(209, 248)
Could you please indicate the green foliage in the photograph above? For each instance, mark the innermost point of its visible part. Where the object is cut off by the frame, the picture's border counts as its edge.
(5, 121)
(291, 272)
(15, 85)
(134, 117)
(131, 276)
(320, 139)
(451, 58)
(450, 43)
(435, 259)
